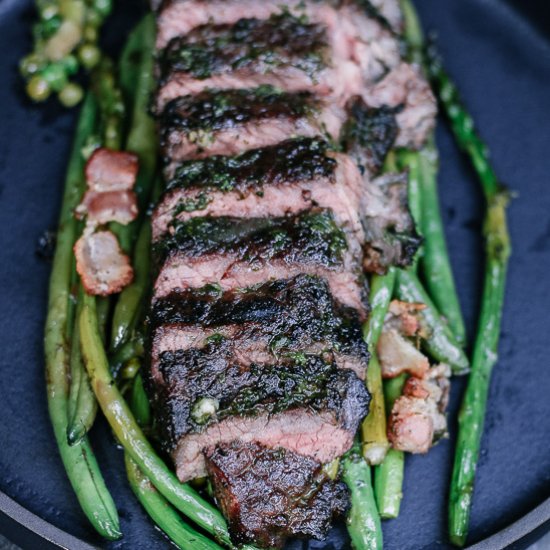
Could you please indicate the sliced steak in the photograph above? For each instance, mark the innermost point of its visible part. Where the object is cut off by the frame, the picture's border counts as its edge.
(239, 253)
(282, 179)
(268, 495)
(310, 407)
(283, 51)
(355, 33)
(287, 319)
(232, 121)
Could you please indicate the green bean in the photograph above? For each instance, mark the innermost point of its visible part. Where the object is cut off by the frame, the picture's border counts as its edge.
(82, 404)
(388, 477)
(160, 511)
(438, 340)
(111, 106)
(140, 404)
(381, 289)
(497, 252)
(131, 298)
(363, 521)
(128, 432)
(411, 161)
(130, 62)
(79, 460)
(435, 263)
(434, 260)
(375, 440)
(143, 142)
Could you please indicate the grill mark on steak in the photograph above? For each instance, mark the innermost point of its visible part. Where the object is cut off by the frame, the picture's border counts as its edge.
(232, 121)
(277, 319)
(236, 252)
(283, 50)
(310, 236)
(355, 34)
(271, 494)
(283, 179)
(281, 39)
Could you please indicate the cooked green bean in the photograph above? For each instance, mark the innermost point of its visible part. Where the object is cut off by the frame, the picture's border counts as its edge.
(497, 251)
(373, 429)
(142, 141)
(142, 137)
(435, 263)
(363, 521)
(163, 514)
(79, 460)
(130, 300)
(82, 404)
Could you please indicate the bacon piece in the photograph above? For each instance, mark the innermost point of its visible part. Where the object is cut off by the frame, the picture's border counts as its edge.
(404, 316)
(101, 264)
(398, 355)
(110, 176)
(417, 419)
(109, 170)
(110, 206)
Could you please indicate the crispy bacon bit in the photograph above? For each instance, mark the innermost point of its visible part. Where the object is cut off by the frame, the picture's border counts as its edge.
(398, 355)
(109, 170)
(110, 176)
(417, 419)
(405, 317)
(110, 206)
(101, 264)
(396, 352)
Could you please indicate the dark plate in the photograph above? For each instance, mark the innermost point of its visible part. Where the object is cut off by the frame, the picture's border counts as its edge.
(501, 60)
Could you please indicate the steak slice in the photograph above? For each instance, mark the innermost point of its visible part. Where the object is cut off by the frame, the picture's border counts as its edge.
(268, 495)
(355, 33)
(283, 51)
(280, 319)
(309, 406)
(239, 253)
(216, 122)
(282, 179)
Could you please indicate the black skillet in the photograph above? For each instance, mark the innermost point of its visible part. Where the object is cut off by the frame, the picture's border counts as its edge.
(499, 53)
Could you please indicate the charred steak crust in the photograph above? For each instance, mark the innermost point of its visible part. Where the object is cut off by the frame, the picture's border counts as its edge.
(294, 160)
(288, 315)
(309, 237)
(214, 110)
(193, 376)
(369, 133)
(271, 494)
(250, 44)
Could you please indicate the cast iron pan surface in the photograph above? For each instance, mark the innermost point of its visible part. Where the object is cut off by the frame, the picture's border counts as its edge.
(499, 54)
